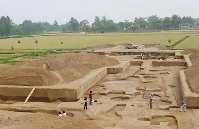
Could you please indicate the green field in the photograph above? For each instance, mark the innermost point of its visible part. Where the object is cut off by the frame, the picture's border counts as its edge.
(191, 43)
(26, 49)
(80, 42)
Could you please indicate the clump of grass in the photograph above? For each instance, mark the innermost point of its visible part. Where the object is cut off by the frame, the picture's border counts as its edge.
(19, 41)
(36, 41)
(62, 42)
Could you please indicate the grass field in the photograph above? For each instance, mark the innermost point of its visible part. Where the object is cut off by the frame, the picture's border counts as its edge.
(26, 49)
(80, 42)
(191, 43)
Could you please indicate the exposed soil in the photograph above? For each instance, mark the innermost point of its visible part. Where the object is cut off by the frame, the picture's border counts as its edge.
(190, 51)
(73, 66)
(45, 121)
(26, 76)
(193, 78)
(191, 73)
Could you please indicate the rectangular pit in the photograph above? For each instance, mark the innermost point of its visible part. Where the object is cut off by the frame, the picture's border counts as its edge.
(70, 92)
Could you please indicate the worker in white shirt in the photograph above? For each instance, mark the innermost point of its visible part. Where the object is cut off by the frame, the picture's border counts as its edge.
(64, 113)
(60, 114)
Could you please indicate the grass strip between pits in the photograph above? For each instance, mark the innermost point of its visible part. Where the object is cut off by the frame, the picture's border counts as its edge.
(178, 42)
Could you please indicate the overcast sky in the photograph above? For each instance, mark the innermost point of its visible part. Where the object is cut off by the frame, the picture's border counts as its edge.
(118, 10)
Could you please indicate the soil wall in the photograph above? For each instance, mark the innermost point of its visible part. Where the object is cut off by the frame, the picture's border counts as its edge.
(69, 92)
(136, 63)
(39, 95)
(169, 63)
(192, 99)
(118, 68)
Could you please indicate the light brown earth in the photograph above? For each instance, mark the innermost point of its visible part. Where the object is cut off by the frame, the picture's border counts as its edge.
(122, 99)
(63, 68)
(191, 73)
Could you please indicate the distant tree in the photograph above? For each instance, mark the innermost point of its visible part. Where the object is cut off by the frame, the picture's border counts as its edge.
(175, 21)
(56, 26)
(5, 26)
(167, 23)
(83, 25)
(155, 23)
(74, 25)
(141, 23)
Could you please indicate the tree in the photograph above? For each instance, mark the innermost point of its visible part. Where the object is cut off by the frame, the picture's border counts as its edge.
(47, 26)
(83, 25)
(155, 23)
(175, 21)
(74, 25)
(56, 26)
(140, 23)
(5, 26)
(167, 23)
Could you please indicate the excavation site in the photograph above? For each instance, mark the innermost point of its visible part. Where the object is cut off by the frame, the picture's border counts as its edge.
(121, 80)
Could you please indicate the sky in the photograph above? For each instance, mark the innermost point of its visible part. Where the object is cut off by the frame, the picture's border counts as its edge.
(117, 10)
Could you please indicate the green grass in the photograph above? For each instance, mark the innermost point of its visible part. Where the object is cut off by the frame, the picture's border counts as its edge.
(191, 43)
(74, 41)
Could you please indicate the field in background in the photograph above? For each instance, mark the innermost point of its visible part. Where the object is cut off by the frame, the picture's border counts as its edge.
(65, 43)
(80, 42)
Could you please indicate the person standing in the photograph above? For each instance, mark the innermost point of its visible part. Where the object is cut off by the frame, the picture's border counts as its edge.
(151, 100)
(85, 103)
(90, 97)
(183, 106)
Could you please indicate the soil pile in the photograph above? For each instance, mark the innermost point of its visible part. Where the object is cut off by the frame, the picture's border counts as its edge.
(46, 121)
(193, 78)
(190, 51)
(73, 66)
(26, 76)
(192, 73)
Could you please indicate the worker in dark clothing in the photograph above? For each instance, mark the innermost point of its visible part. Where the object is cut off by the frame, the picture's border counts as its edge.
(85, 103)
(151, 100)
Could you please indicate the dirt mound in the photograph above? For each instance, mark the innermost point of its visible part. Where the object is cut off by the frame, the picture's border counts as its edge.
(26, 76)
(73, 66)
(192, 73)
(195, 58)
(190, 51)
(193, 78)
(46, 121)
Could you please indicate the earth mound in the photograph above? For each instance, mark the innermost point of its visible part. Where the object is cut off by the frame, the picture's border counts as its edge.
(26, 76)
(190, 51)
(46, 121)
(192, 73)
(73, 66)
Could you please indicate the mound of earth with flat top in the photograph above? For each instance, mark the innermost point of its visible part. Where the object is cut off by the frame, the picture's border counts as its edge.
(53, 70)
(26, 76)
(73, 66)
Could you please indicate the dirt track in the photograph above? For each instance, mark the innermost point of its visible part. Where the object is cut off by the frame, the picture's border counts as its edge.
(123, 99)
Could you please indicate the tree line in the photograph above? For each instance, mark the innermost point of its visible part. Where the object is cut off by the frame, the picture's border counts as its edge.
(100, 25)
